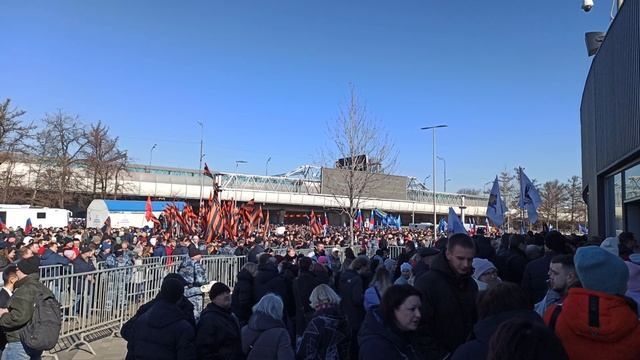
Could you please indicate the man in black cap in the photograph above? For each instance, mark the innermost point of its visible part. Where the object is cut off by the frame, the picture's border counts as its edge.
(218, 335)
(20, 308)
(427, 254)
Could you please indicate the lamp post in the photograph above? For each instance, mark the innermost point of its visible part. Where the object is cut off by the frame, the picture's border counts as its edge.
(433, 175)
(445, 172)
(266, 167)
(151, 154)
(201, 157)
(239, 162)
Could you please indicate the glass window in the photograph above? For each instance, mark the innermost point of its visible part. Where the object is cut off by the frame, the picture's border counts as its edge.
(613, 203)
(41, 215)
(632, 183)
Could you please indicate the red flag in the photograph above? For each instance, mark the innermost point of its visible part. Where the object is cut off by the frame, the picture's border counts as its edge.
(266, 226)
(316, 229)
(2, 225)
(148, 210)
(28, 227)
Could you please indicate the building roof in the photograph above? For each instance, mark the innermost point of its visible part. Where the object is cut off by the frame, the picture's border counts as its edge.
(139, 205)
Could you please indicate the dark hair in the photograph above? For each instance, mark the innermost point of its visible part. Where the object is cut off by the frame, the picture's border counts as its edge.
(565, 260)
(359, 262)
(395, 296)
(520, 339)
(555, 241)
(515, 240)
(503, 297)
(9, 271)
(263, 259)
(304, 263)
(462, 240)
(348, 253)
(625, 237)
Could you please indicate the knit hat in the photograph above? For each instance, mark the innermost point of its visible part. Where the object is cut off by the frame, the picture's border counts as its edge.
(323, 260)
(481, 266)
(405, 267)
(218, 289)
(335, 249)
(171, 290)
(389, 264)
(600, 270)
(105, 246)
(555, 241)
(86, 249)
(29, 265)
(611, 245)
(634, 276)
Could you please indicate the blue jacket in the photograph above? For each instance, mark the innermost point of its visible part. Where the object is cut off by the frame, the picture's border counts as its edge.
(81, 266)
(159, 251)
(51, 258)
(371, 298)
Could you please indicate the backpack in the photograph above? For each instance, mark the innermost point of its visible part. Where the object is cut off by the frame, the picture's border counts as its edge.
(43, 330)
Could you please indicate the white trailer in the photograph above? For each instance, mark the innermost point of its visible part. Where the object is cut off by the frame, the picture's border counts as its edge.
(15, 216)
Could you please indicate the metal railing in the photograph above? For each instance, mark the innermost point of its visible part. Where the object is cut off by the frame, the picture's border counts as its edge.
(104, 299)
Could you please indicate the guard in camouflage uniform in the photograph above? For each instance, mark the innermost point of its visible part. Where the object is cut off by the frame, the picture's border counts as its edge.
(193, 273)
(119, 283)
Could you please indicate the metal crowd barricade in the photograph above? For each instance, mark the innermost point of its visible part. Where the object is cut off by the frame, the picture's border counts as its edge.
(395, 251)
(104, 299)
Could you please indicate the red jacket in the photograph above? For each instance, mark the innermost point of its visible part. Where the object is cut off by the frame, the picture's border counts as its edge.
(611, 331)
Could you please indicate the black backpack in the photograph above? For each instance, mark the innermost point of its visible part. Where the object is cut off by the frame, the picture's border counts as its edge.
(43, 330)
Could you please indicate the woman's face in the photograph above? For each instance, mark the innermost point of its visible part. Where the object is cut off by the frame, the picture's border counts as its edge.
(490, 276)
(12, 255)
(408, 314)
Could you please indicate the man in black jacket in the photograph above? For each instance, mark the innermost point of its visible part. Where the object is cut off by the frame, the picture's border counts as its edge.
(536, 273)
(268, 280)
(303, 285)
(448, 298)
(218, 334)
(351, 288)
(256, 250)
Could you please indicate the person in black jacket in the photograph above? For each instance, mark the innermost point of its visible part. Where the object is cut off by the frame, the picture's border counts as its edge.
(303, 285)
(351, 290)
(449, 297)
(164, 332)
(128, 330)
(256, 250)
(536, 273)
(9, 276)
(499, 304)
(388, 332)
(512, 261)
(268, 280)
(218, 334)
(242, 297)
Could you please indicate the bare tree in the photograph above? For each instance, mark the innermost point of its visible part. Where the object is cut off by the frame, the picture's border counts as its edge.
(553, 195)
(63, 139)
(575, 206)
(508, 191)
(368, 154)
(14, 135)
(103, 159)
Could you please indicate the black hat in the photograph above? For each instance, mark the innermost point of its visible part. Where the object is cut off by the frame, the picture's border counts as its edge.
(171, 290)
(86, 249)
(555, 241)
(178, 277)
(218, 289)
(29, 265)
(428, 251)
(193, 251)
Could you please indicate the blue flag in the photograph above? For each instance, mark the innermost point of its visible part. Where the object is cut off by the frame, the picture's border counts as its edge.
(399, 222)
(583, 229)
(455, 225)
(496, 208)
(442, 226)
(529, 197)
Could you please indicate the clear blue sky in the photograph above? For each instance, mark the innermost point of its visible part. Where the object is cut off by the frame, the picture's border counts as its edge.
(265, 77)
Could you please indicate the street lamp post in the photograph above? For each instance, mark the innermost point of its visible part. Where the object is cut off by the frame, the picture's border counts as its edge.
(433, 175)
(201, 157)
(445, 172)
(266, 167)
(151, 154)
(238, 162)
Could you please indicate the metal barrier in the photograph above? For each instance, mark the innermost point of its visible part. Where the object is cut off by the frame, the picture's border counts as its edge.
(102, 300)
(395, 251)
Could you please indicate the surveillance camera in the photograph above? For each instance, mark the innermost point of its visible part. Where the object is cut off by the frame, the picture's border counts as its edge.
(587, 5)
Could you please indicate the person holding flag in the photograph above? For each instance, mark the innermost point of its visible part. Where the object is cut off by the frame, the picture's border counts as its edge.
(529, 197)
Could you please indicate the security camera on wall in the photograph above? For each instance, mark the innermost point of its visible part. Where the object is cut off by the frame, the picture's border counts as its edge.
(587, 5)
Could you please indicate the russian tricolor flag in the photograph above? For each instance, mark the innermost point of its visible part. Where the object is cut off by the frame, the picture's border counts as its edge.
(28, 227)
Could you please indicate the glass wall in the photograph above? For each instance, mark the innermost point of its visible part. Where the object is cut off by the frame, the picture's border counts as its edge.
(632, 183)
(613, 203)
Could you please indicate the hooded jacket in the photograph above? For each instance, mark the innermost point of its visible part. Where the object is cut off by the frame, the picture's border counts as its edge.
(478, 346)
(242, 296)
(448, 308)
(380, 341)
(326, 337)
(163, 332)
(351, 291)
(596, 325)
(268, 280)
(21, 306)
(266, 338)
(303, 285)
(218, 335)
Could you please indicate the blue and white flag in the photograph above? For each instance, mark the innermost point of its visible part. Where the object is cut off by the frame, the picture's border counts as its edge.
(529, 197)
(496, 208)
(399, 222)
(583, 229)
(442, 226)
(455, 225)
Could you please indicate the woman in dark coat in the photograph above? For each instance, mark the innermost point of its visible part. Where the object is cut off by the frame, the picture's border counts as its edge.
(242, 297)
(218, 335)
(266, 337)
(328, 335)
(387, 332)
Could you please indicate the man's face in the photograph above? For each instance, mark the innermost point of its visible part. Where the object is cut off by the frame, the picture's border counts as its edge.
(320, 247)
(559, 277)
(223, 300)
(460, 259)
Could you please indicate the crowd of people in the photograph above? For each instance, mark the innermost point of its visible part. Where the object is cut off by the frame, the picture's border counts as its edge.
(531, 296)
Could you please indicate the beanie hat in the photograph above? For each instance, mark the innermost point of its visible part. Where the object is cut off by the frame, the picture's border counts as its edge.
(171, 290)
(635, 258)
(481, 266)
(390, 264)
(218, 289)
(600, 270)
(634, 276)
(611, 245)
(86, 249)
(105, 246)
(405, 267)
(29, 265)
(555, 241)
(322, 260)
